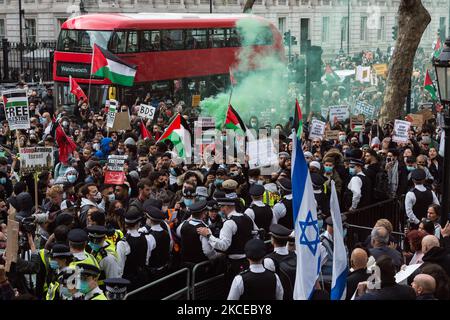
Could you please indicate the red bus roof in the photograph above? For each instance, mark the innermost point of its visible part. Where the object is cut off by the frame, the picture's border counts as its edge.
(142, 21)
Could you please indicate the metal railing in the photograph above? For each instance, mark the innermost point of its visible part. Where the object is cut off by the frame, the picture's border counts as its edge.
(166, 283)
(211, 288)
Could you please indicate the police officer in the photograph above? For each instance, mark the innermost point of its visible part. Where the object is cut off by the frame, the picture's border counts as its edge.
(358, 192)
(260, 213)
(213, 219)
(134, 250)
(77, 242)
(65, 286)
(61, 257)
(88, 285)
(195, 248)
(116, 288)
(282, 211)
(159, 240)
(419, 199)
(256, 283)
(102, 251)
(236, 231)
(281, 261)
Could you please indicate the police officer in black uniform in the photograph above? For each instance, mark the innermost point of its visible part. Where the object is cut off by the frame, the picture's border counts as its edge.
(282, 211)
(116, 288)
(260, 212)
(195, 248)
(256, 283)
(418, 199)
(158, 263)
(282, 261)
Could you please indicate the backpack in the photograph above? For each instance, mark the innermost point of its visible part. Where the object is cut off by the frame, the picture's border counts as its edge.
(286, 270)
(381, 189)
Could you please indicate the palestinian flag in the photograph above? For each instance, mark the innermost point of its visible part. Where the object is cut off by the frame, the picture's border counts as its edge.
(298, 120)
(107, 65)
(331, 76)
(66, 146)
(144, 131)
(234, 122)
(437, 48)
(178, 133)
(428, 85)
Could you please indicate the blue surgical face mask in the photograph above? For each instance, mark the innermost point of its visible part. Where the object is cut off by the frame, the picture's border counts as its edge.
(71, 178)
(328, 169)
(218, 182)
(188, 202)
(352, 171)
(2, 180)
(65, 292)
(410, 168)
(94, 246)
(84, 287)
(43, 120)
(53, 264)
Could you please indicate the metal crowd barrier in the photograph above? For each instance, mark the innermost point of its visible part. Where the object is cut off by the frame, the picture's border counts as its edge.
(166, 281)
(212, 288)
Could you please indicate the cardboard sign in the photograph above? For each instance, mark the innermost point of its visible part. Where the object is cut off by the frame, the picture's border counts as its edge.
(356, 123)
(146, 111)
(364, 108)
(381, 69)
(112, 110)
(121, 121)
(17, 111)
(340, 113)
(317, 129)
(332, 134)
(36, 159)
(12, 243)
(261, 153)
(195, 100)
(427, 114)
(116, 162)
(114, 177)
(401, 129)
(206, 122)
(415, 119)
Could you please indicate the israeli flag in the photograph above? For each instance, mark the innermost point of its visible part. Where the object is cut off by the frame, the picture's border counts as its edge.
(340, 269)
(307, 240)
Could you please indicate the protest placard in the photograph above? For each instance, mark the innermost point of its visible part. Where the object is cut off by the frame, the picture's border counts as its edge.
(146, 111)
(112, 110)
(121, 121)
(356, 122)
(16, 109)
(36, 159)
(365, 109)
(332, 134)
(401, 129)
(339, 113)
(207, 122)
(415, 119)
(317, 129)
(12, 243)
(261, 153)
(116, 162)
(324, 112)
(427, 114)
(114, 177)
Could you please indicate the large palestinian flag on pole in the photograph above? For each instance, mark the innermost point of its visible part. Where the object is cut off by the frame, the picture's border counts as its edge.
(107, 65)
(178, 133)
(298, 121)
(234, 122)
(428, 85)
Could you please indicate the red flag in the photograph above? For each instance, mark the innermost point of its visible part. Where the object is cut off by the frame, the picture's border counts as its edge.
(76, 90)
(65, 144)
(232, 79)
(144, 132)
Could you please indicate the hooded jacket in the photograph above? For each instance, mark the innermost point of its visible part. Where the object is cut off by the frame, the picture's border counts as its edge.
(440, 256)
(105, 149)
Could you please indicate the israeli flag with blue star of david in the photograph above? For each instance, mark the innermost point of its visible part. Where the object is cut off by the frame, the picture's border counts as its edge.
(307, 240)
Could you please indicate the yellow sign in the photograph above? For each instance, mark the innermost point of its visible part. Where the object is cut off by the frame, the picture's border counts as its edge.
(381, 69)
(195, 100)
(112, 93)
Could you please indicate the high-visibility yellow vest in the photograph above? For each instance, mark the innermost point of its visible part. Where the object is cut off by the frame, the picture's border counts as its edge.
(271, 198)
(52, 290)
(90, 259)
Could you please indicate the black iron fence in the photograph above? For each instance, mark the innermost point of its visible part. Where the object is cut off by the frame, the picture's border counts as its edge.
(30, 62)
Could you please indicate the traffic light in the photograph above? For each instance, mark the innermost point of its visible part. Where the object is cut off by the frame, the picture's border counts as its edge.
(394, 32)
(287, 38)
(293, 41)
(315, 64)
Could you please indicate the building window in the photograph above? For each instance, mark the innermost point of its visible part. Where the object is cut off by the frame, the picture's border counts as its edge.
(2, 29)
(344, 28)
(204, 1)
(259, 2)
(363, 29)
(174, 1)
(29, 1)
(282, 24)
(382, 30)
(30, 30)
(325, 29)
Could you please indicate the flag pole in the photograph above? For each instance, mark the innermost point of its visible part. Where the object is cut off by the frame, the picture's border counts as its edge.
(231, 94)
(90, 75)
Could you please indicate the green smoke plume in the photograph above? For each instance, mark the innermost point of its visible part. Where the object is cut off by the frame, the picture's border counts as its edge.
(260, 91)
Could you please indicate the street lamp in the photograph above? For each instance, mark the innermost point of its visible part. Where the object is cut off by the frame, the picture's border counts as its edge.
(442, 66)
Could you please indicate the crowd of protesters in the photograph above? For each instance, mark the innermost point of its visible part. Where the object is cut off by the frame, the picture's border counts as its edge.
(168, 214)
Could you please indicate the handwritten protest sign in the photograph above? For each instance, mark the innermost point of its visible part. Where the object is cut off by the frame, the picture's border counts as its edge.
(146, 111)
(364, 108)
(17, 111)
(12, 242)
(332, 134)
(340, 113)
(36, 159)
(317, 129)
(324, 112)
(415, 119)
(401, 129)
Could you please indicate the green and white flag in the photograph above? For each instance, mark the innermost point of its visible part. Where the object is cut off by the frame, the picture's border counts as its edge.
(178, 133)
(17, 111)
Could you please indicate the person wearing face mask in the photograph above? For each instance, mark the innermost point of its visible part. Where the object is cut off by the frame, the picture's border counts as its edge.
(331, 174)
(102, 251)
(342, 137)
(64, 288)
(88, 283)
(358, 192)
(90, 197)
(78, 239)
(61, 257)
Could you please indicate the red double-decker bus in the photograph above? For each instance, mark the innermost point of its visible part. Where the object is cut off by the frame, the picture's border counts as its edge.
(174, 52)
